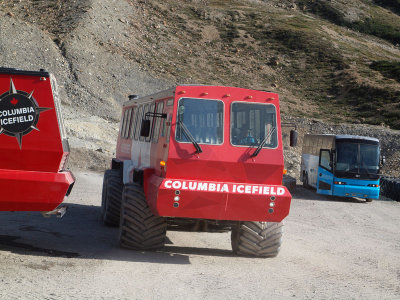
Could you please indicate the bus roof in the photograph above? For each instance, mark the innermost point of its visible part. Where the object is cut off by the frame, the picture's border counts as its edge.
(356, 137)
(160, 95)
(171, 92)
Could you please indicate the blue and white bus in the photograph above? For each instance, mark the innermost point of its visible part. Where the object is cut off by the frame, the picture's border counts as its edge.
(341, 165)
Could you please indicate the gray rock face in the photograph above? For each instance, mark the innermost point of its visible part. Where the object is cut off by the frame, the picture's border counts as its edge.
(88, 45)
(72, 40)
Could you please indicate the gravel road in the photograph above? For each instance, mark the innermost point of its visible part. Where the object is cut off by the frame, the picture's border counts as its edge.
(333, 249)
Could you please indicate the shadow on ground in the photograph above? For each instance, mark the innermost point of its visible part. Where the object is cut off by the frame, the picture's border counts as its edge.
(302, 193)
(81, 234)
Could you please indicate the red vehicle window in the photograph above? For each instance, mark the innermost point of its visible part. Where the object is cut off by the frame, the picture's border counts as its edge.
(156, 133)
(203, 118)
(251, 123)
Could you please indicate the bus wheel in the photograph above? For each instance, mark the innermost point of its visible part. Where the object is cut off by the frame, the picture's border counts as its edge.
(111, 197)
(368, 200)
(261, 239)
(139, 228)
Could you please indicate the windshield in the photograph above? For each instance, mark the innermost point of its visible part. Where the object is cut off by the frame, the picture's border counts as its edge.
(202, 118)
(251, 123)
(357, 158)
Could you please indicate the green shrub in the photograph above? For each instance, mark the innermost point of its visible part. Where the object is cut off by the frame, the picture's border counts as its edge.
(377, 28)
(324, 10)
(229, 32)
(389, 69)
(372, 26)
(393, 5)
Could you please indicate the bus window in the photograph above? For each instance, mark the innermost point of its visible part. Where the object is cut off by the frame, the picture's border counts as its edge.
(203, 119)
(252, 123)
(124, 123)
(152, 119)
(325, 159)
(133, 122)
(128, 124)
(145, 110)
(138, 122)
(156, 133)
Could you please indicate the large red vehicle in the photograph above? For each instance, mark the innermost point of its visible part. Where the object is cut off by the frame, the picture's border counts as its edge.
(33, 144)
(201, 155)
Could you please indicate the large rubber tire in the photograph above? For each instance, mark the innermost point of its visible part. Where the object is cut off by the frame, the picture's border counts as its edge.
(260, 239)
(139, 228)
(111, 198)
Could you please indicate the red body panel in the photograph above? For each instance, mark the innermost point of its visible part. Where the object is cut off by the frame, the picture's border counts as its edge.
(30, 166)
(33, 191)
(217, 164)
(219, 200)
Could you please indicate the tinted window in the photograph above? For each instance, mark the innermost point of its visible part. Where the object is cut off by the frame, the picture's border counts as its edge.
(357, 158)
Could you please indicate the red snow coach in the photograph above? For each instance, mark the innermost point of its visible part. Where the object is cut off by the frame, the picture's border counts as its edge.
(200, 155)
(33, 144)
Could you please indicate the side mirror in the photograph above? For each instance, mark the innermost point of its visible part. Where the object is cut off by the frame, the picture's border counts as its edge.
(293, 138)
(145, 129)
(383, 160)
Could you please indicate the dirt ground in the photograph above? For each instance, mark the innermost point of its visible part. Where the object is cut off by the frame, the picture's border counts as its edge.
(332, 249)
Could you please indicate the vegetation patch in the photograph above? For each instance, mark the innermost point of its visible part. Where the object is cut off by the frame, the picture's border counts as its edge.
(378, 28)
(228, 43)
(371, 104)
(377, 25)
(393, 5)
(389, 69)
(324, 10)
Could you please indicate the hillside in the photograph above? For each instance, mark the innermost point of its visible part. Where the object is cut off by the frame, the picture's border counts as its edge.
(333, 61)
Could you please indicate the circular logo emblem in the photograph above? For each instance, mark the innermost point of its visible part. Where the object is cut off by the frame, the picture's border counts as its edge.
(19, 113)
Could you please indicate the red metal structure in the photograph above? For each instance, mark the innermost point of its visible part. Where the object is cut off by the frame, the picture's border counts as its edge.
(33, 144)
(202, 155)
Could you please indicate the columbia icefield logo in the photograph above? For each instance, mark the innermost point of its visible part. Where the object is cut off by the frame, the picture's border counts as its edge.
(19, 113)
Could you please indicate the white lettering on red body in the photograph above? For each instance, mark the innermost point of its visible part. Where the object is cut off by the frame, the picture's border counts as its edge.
(192, 185)
(225, 187)
(176, 185)
(202, 186)
(184, 187)
(167, 184)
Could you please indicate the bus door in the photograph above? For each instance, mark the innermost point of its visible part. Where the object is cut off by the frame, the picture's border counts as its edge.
(325, 174)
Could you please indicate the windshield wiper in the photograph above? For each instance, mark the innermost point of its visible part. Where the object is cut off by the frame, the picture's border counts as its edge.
(190, 137)
(261, 145)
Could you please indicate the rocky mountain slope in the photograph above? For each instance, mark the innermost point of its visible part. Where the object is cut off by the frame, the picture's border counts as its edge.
(331, 61)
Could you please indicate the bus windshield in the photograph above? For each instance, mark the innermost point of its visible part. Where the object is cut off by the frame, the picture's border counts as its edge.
(252, 123)
(202, 119)
(359, 159)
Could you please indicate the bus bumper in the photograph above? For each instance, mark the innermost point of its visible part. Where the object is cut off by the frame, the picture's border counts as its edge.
(356, 191)
(218, 200)
(33, 191)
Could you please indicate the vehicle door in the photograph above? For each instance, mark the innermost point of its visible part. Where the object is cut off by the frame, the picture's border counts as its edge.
(325, 174)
